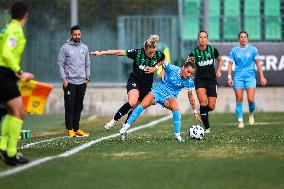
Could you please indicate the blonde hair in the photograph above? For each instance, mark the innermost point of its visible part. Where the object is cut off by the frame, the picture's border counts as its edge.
(151, 42)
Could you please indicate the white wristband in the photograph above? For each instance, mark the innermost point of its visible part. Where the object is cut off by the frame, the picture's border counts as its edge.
(195, 111)
(229, 77)
(156, 66)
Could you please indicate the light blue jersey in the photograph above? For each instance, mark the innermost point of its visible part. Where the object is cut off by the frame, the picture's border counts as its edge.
(172, 84)
(244, 59)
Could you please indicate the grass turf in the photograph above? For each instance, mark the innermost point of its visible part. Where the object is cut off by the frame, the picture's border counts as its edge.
(228, 157)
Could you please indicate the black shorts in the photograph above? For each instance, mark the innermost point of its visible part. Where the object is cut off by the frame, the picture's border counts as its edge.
(143, 90)
(8, 85)
(210, 85)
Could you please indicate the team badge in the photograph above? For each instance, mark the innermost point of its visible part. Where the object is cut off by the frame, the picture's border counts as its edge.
(142, 67)
(12, 42)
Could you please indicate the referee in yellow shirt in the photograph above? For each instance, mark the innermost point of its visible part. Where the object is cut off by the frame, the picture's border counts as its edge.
(12, 44)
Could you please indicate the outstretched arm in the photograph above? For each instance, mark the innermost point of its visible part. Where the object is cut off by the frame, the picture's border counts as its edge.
(193, 106)
(109, 52)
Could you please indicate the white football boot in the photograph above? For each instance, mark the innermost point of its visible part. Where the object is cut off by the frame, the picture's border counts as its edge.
(251, 119)
(124, 128)
(207, 131)
(109, 124)
(179, 138)
(241, 123)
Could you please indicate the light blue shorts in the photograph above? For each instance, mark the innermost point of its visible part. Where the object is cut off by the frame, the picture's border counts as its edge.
(244, 83)
(160, 97)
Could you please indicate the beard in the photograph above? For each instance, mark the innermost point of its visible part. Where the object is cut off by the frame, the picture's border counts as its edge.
(76, 40)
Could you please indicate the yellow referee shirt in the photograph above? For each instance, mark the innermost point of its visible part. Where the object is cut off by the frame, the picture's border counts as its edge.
(12, 45)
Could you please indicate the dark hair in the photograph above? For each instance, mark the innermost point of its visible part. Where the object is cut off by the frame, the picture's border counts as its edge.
(76, 27)
(187, 64)
(243, 32)
(202, 31)
(18, 10)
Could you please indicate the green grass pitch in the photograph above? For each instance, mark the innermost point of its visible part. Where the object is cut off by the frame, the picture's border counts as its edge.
(228, 157)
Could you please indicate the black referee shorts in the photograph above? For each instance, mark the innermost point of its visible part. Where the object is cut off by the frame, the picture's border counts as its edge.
(8, 85)
(143, 90)
(210, 85)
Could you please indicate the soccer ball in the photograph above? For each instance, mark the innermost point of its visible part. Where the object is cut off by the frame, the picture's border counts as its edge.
(196, 132)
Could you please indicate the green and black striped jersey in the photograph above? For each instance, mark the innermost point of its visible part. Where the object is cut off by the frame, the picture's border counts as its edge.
(140, 62)
(205, 61)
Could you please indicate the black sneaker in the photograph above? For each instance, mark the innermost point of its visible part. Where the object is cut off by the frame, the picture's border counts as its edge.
(2, 154)
(17, 159)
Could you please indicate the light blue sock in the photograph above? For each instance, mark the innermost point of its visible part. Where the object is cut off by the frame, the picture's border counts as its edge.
(239, 110)
(176, 120)
(135, 114)
(252, 107)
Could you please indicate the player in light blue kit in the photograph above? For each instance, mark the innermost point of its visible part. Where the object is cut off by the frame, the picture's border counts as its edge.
(165, 93)
(245, 57)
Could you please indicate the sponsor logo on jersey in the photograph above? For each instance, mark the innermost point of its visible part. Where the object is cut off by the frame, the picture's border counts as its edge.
(205, 63)
(142, 67)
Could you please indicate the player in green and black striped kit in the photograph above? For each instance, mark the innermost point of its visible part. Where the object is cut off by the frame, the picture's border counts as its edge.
(145, 62)
(205, 77)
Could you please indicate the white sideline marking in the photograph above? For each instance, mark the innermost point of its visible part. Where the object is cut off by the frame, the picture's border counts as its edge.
(77, 149)
(43, 141)
(134, 129)
(85, 145)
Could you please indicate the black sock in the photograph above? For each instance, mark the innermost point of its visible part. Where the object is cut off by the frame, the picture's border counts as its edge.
(129, 114)
(122, 111)
(204, 116)
(209, 109)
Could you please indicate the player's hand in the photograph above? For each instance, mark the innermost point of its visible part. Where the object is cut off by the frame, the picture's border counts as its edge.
(230, 82)
(190, 59)
(96, 53)
(218, 74)
(150, 70)
(26, 76)
(197, 117)
(86, 81)
(65, 83)
(263, 81)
